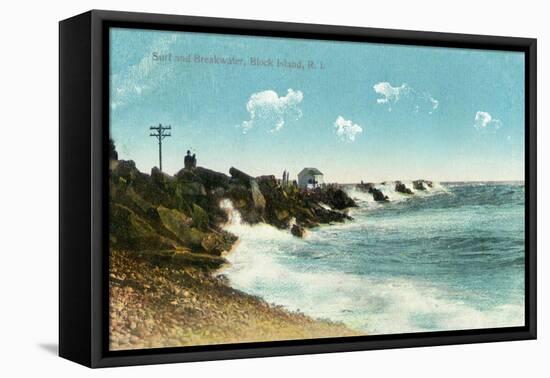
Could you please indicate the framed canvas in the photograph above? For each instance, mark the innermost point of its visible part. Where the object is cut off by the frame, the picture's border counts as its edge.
(234, 188)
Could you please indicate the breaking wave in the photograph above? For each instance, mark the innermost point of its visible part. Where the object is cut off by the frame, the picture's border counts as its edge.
(388, 189)
(384, 274)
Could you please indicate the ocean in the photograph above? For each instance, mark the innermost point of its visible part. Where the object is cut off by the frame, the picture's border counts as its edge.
(448, 258)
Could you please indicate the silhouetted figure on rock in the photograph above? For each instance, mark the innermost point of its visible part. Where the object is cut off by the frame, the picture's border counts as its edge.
(190, 161)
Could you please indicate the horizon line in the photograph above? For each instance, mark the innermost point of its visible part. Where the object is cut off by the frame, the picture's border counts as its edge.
(454, 181)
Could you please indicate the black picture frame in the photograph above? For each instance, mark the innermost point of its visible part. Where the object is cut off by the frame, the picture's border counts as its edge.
(83, 196)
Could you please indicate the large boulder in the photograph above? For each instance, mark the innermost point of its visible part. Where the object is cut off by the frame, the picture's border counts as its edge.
(215, 243)
(188, 183)
(282, 215)
(212, 179)
(334, 197)
(279, 204)
(297, 231)
(421, 184)
(195, 238)
(129, 231)
(323, 215)
(126, 169)
(191, 189)
(175, 221)
(160, 178)
(377, 195)
(241, 197)
(401, 188)
(257, 196)
(338, 199)
(200, 217)
(187, 175)
(239, 176)
(269, 179)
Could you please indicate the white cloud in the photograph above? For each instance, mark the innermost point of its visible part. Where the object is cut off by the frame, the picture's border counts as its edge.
(129, 85)
(390, 94)
(485, 121)
(435, 104)
(415, 100)
(267, 107)
(346, 129)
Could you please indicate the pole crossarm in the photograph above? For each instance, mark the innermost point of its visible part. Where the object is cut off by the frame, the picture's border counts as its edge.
(160, 132)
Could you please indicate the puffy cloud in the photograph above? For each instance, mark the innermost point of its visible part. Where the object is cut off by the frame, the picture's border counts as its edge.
(267, 107)
(415, 100)
(485, 121)
(346, 129)
(390, 94)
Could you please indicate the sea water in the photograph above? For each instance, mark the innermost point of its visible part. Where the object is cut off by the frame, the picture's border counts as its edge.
(448, 258)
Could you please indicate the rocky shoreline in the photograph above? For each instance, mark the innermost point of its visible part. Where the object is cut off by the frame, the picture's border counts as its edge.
(155, 305)
(167, 241)
(182, 213)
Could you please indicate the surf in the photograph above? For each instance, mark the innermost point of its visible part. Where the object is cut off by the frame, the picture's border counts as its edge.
(384, 272)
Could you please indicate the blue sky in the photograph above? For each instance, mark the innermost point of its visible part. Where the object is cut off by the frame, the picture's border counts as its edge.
(369, 112)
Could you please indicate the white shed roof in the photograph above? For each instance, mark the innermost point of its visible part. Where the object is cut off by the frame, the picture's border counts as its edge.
(310, 171)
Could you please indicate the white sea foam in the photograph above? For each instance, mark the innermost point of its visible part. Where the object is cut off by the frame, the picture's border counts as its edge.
(268, 262)
(245, 232)
(388, 189)
(325, 206)
(258, 245)
(359, 195)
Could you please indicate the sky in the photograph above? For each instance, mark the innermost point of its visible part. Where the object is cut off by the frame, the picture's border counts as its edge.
(356, 111)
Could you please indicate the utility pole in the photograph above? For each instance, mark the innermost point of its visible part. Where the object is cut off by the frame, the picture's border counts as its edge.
(160, 133)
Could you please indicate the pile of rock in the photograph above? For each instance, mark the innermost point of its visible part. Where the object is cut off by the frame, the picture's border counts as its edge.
(401, 188)
(377, 194)
(332, 196)
(161, 212)
(422, 184)
(181, 212)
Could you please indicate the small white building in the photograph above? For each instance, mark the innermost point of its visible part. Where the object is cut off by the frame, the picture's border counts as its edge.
(310, 178)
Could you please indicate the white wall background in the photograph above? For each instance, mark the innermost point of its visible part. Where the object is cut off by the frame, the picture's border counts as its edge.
(29, 188)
